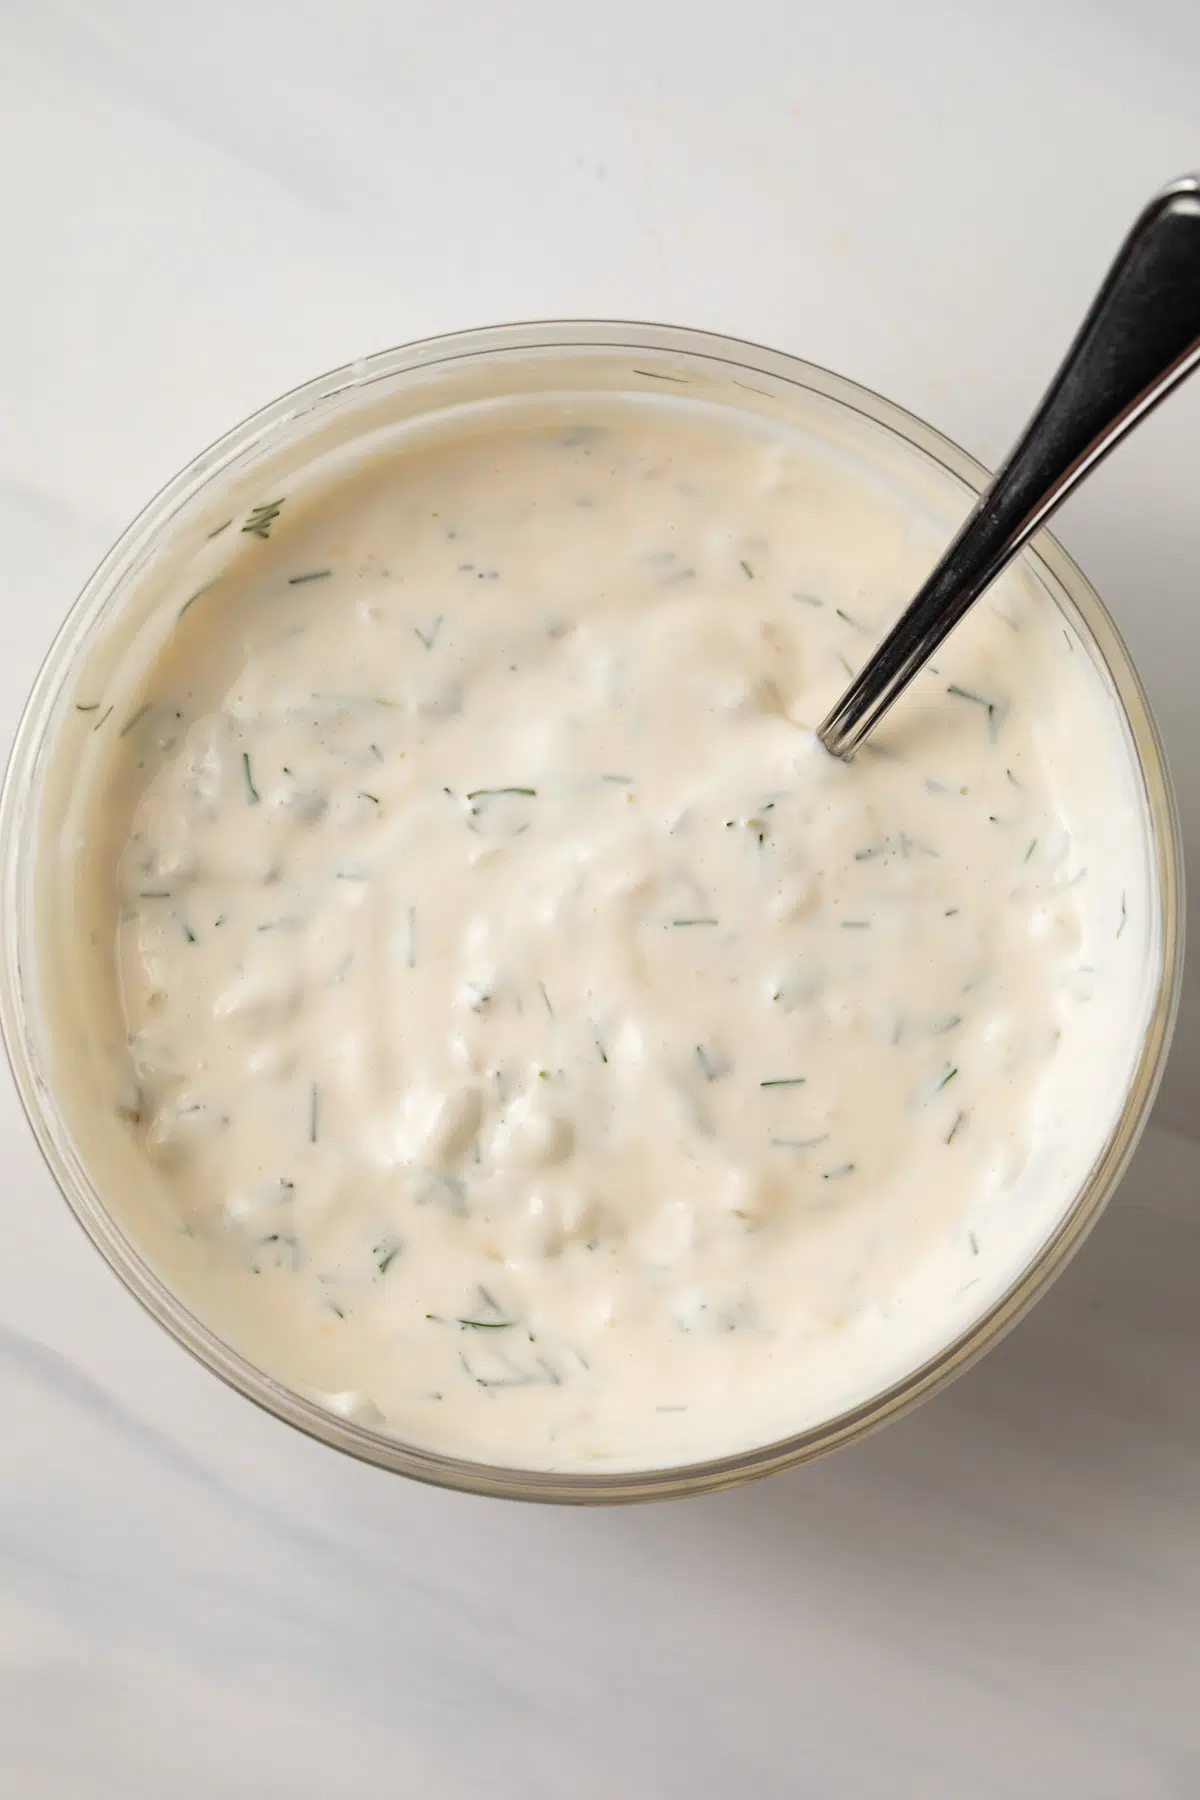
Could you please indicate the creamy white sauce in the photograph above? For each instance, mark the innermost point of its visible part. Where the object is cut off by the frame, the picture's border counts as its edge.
(541, 1049)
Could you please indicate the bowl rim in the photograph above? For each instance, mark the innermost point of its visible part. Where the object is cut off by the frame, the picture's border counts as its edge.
(18, 821)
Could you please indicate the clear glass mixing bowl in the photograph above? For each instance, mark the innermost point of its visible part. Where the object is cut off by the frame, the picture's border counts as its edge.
(341, 409)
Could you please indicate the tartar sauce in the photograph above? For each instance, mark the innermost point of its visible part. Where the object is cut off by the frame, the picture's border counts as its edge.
(540, 1048)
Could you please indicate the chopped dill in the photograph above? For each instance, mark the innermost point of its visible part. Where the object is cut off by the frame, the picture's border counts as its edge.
(192, 598)
(251, 790)
(310, 575)
(989, 706)
(262, 518)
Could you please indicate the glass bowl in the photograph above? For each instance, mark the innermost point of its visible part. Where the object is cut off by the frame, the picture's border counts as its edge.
(341, 410)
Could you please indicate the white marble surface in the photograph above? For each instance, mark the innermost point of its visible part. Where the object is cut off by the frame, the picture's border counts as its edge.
(1000, 1597)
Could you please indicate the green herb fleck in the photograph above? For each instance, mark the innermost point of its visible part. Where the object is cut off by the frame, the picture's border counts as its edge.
(309, 575)
(545, 997)
(430, 639)
(974, 1243)
(251, 790)
(960, 1120)
(1032, 847)
(1124, 917)
(192, 598)
(220, 529)
(747, 571)
(515, 1376)
(493, 793)
(135, 719)
(385, 1254)
(103, 719)
(989, 706)
(681, 924)
(262, 518)
(657, 375)
(92, 706)
(373, 798)
(785, 1081)
(947, 1077)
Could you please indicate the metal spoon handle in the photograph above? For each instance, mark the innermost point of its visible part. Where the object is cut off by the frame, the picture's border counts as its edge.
(1140, 338)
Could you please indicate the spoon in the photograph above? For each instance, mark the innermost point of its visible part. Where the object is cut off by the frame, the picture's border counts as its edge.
(1140, 338)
